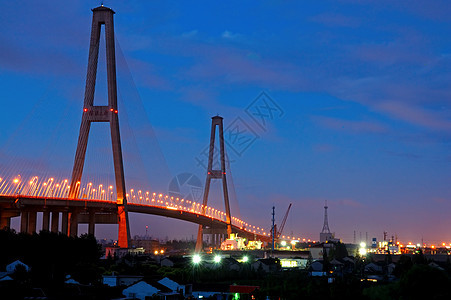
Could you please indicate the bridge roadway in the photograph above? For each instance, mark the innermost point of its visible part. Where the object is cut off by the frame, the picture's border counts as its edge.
(82, 211)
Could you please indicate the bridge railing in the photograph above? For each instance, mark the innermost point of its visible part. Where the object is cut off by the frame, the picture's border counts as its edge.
(51, 187)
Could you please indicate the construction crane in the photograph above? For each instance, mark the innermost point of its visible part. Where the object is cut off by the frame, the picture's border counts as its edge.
(278, 231)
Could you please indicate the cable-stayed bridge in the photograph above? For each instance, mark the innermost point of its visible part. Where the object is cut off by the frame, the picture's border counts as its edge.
(67, 202)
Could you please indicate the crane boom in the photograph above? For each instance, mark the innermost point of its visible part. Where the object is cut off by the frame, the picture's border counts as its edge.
(282, 225)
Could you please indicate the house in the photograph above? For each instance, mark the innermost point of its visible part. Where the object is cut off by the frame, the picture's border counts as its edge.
(390, 268)
(174, 261)
(172, 285)
(373, 268)
(146, 289)
(336, 267)
(348, 265)
(115, 252)
(140, 290)
(11, 268)
(316, 251)
(231, 264)
(5, 277)
(70, 280)
(290, 263)
(266, 265)
(120, 280)
(316, 269)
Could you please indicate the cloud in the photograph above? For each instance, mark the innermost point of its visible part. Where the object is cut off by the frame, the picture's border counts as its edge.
(416, 115)
(351, 126)
(190, 34)
(229, 35)
(349, 202)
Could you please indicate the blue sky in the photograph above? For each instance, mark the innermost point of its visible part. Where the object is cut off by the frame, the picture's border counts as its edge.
(364, 87)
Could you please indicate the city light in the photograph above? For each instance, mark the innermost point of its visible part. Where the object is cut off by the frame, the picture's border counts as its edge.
(196, 259)
(217, 259)
(245, 259)
(362, 250)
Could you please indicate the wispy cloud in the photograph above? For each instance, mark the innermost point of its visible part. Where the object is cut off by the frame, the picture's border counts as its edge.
(230, 35)
(416, 115)
(351, 126)
(190, 34)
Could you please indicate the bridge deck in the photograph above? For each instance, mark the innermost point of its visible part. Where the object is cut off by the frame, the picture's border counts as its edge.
(17, 203)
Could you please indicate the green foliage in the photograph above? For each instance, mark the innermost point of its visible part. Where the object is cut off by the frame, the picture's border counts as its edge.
(404, 264)
(425, 282)
(338, 251)
(382, 292)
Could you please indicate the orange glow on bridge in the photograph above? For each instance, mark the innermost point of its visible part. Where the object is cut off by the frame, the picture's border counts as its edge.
(54, 188)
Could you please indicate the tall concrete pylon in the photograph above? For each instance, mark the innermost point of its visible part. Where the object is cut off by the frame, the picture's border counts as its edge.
(94, 113)
(215, 174)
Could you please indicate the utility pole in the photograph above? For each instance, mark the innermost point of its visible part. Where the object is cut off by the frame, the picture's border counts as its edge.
(273, 229)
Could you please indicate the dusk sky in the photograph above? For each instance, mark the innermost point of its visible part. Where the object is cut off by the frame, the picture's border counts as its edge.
(359, 95)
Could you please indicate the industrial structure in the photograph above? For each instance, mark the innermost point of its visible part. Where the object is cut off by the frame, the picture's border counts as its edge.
(325, 234)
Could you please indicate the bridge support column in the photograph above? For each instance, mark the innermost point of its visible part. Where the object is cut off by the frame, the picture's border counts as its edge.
(216, 174)
(46, 220)
(55, 221)
(95, 113)
(64, 222)
(5, 220)
(23, 221)
(73, 229)
(32, 216)
(92, 224)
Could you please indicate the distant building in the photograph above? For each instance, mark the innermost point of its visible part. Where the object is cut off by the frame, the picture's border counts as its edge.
(140, 290)
(266, 265)
(177, 261)
(149, 245)
(145, 289)
(293, 263)
(120, 280)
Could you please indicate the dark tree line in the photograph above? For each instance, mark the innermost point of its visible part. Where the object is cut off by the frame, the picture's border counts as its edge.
(51, 257)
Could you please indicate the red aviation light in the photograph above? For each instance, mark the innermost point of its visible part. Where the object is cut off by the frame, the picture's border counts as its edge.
(85, 109)
(111, 109)
(115, 111)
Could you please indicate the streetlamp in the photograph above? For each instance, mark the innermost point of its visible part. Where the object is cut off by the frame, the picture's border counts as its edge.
(196, 259)
(217, 259)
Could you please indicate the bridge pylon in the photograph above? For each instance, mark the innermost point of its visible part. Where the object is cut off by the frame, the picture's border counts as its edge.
(95, 113)
(215, 174)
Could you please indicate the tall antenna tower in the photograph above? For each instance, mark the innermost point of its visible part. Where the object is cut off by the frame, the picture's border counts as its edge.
(325, 234)
(326, 222)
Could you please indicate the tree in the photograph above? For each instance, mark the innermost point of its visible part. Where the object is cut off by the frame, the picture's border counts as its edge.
(425, 282)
